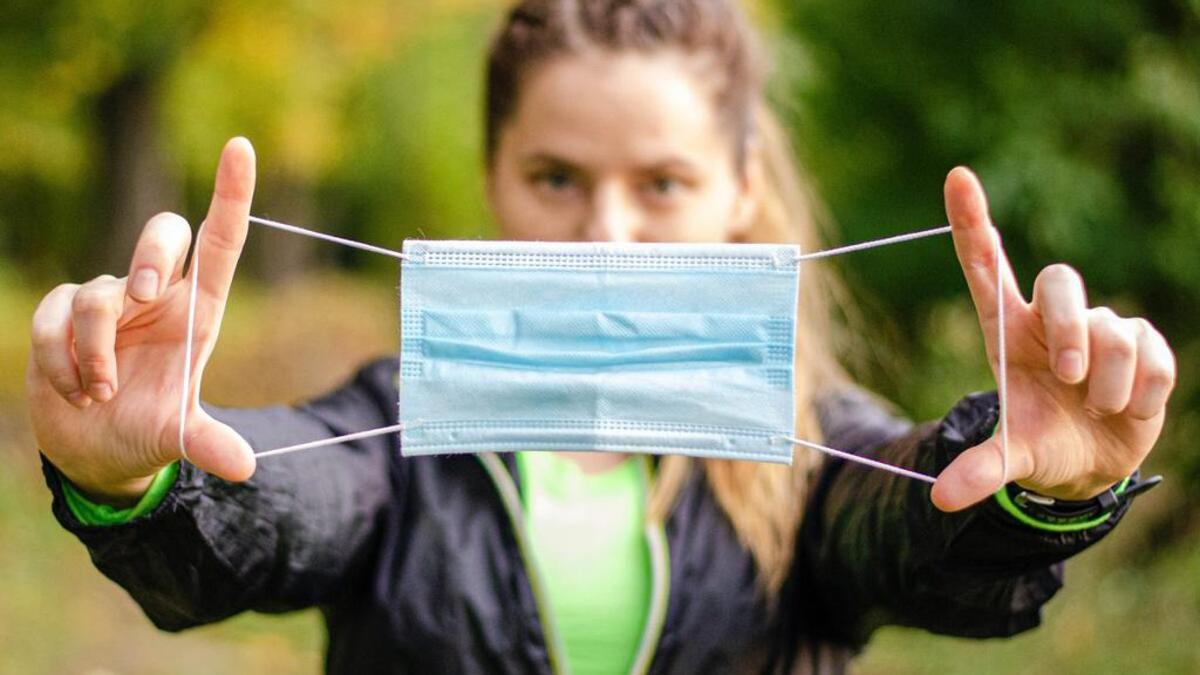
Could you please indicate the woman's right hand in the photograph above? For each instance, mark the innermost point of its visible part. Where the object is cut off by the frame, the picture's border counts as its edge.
(105, 372)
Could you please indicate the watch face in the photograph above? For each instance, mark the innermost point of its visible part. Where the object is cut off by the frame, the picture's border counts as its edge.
(1066, 511)
(1059, 511)
(1024, 498)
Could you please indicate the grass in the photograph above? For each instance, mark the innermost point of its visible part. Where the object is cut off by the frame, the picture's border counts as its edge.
(59, 615)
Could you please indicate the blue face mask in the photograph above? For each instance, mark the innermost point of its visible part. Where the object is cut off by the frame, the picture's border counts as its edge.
(658, 348)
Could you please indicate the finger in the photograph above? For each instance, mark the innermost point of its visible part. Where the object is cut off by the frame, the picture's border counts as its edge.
(95, 310)
(51, 337)
(1155, 375)
(977, 243)
(159, 256)
(217, 449)
(223, 233)
(1113, 345)
(975, 475)
(1059, 298)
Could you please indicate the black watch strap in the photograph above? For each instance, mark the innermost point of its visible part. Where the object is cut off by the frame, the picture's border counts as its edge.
(1051, 510)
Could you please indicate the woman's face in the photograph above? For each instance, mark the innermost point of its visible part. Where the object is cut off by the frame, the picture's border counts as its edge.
(617, 147)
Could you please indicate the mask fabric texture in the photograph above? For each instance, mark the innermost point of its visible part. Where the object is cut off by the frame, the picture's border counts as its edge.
(651, 348)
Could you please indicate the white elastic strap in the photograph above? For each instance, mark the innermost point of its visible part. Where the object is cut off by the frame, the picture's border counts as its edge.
(191, 330)
(875, 464)
(1001, 356)
(1002, 362)
(187, 344)
(874, 243)
(328, 237)
(332, 441)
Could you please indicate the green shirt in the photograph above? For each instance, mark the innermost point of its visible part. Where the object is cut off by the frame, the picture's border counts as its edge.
(588, 534)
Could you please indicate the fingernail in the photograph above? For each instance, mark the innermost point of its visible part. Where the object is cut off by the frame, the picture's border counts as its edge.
(79, 399)
(1070, 365)
(145, 285)
(101, 391)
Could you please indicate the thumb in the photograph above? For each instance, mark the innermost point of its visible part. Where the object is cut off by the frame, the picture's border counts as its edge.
(216, 448)
(973, 476)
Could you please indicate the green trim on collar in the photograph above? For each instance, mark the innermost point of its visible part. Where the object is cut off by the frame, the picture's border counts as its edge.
(1015, 511)
(91, 513)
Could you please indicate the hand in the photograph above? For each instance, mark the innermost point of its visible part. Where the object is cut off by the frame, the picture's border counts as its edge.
(1087, 389)
(105, 372)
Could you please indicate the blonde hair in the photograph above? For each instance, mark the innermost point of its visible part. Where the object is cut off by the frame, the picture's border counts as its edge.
(763, 502)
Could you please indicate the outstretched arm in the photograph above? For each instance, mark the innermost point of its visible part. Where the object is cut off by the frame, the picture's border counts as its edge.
(1086, 397)
(296, 534)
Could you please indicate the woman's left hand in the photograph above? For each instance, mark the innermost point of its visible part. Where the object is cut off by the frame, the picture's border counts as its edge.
(1087, 389)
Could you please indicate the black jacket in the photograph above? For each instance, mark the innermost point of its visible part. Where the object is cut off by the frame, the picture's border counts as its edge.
(419, 564)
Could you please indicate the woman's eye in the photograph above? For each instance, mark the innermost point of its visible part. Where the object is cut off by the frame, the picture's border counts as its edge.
(664, 185)
(663, 190)
(556, 179)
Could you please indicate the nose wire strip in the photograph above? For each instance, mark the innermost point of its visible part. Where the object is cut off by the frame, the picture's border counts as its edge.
(1002, 371)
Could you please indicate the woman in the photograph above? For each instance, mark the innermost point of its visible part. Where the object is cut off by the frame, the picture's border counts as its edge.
(606, 120)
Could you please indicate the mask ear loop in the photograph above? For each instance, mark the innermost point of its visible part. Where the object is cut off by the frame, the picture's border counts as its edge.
(187, 344)
(189, 340)
(1002, 359)
(1001, 356)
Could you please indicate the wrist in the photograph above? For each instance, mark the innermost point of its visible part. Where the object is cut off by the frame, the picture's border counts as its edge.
(1073, 492)
(91, 513)
(117, 494)
(1065, 515)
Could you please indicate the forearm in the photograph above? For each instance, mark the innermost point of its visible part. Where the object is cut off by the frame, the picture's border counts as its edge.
(289, 537)
(887, 555)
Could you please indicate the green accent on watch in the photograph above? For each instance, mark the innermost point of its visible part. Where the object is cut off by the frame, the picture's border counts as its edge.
(1015, 511)
(91, 513)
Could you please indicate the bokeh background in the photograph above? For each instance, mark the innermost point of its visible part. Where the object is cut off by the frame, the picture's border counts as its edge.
(1083, 120)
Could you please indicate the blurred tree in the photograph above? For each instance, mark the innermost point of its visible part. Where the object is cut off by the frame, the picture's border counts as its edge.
(294, 78)
(81, 118)
(112, 108)
(1082, 120)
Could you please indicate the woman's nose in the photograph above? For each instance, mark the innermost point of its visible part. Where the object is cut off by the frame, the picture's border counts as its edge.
(612, 215)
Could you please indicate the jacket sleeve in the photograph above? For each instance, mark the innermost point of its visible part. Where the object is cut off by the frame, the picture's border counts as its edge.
(301, 531)
(878, 551)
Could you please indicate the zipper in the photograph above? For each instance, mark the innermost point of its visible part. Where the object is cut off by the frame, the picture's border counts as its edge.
(660, 583)
(512, 504)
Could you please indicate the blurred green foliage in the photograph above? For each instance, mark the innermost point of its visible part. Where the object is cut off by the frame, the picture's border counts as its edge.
(1083, 122)
(114, 110)
(1082, 119)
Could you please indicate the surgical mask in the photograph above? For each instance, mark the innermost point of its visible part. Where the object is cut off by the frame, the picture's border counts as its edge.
(656, 348)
